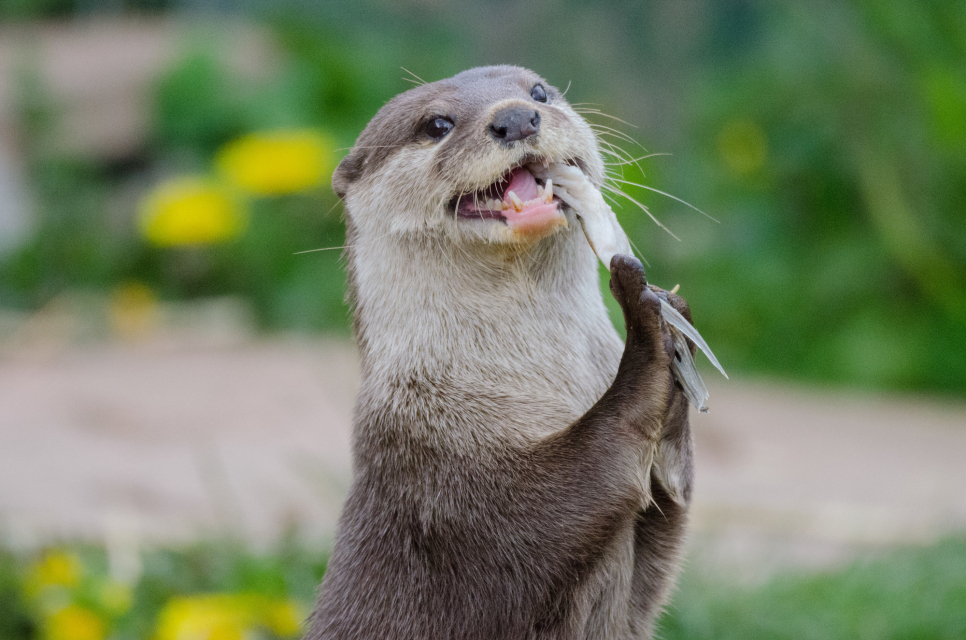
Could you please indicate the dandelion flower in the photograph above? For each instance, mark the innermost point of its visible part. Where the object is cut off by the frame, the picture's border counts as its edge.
(223, 616)
(284, 618)
(55, 569)
(205, 617)
(74, 622)
(190, 211)
(276, 162)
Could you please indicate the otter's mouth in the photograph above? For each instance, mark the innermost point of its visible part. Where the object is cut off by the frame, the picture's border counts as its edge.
(518, 199)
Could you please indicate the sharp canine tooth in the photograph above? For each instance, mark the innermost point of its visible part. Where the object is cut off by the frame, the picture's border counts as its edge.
(548, 190)
(515, 200)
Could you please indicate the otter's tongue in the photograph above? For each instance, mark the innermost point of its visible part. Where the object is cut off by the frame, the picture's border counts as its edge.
(534, 215)
(523, 184)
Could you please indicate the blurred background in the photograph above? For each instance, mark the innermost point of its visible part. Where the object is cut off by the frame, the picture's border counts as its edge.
(177, 374)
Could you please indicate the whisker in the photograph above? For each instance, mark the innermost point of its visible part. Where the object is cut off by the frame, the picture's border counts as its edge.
(456, 208)
(375, 146)
(322, 249)
(604, 130)
(635, 160)
(566, 90)
(606, 115)
(644, 186)
(332, 208)
(613, 148)
(643, 208)
(623, 155)
(346, 246)
(476, 203)
(421, 81)
(638, 253)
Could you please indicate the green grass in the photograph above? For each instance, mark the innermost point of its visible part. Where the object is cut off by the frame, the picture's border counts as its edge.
(911, 594)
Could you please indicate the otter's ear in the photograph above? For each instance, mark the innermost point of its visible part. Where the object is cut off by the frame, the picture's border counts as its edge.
(347, 172)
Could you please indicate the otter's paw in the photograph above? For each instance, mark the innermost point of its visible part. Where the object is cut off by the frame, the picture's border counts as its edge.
(641, 307)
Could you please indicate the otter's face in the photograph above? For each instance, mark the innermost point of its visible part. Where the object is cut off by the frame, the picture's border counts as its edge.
(457, 157)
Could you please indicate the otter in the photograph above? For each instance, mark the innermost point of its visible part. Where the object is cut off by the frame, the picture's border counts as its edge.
(519, 471)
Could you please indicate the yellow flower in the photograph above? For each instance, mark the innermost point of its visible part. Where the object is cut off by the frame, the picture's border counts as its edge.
(276, 162)
(74, 622)
(227, 617)
(206, 617)
(190, 211)
(54, 569)
(742, 146)
(284, 618)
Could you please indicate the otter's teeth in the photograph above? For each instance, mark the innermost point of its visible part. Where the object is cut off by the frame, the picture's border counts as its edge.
(548, 191)
(515, 201)
(494, 205)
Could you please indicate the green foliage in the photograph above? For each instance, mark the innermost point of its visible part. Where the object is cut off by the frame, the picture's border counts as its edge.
(20, 9)
(68, 249)
(88, 238)
(31, 597)
(827, 138)
(197, 107)
(15, 621)
(916, 593)
(33, 9)
(833, 155)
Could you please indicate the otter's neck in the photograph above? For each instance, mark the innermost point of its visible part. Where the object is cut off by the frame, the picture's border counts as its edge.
(526, 325)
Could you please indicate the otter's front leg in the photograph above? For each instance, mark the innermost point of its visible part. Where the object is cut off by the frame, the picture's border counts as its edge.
(659, 531)
(595, 474)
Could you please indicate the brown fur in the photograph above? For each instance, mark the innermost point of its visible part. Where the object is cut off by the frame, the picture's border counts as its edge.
(519, 473)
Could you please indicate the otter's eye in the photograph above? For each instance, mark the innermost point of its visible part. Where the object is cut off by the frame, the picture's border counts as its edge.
(538, 93)
(437, 128)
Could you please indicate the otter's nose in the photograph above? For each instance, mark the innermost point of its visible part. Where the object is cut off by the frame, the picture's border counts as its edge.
(515, 123)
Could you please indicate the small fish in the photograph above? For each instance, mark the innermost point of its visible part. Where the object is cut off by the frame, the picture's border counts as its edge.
(607, 238)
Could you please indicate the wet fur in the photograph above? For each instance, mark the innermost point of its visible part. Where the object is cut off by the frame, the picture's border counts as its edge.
(518, 471)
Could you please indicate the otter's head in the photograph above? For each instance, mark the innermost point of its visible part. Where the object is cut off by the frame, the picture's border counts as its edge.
(453, 158)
